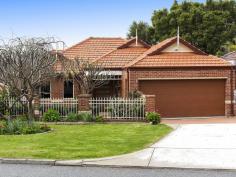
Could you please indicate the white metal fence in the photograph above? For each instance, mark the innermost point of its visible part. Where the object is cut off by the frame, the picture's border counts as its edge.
(16, 107)
(109, 108)
(63, 106)
(119, 108)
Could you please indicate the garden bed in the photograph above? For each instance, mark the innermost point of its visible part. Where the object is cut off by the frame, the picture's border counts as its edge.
(82, 141)
(21, 126)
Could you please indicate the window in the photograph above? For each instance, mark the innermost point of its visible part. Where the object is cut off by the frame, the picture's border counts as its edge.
(45, 90)
(68, 89)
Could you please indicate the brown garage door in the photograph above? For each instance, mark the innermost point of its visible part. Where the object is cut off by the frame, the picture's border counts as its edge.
(187, 98)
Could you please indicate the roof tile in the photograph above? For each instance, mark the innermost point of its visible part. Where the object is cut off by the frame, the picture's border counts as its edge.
(180, 59)
(93, 48)
(120, 57)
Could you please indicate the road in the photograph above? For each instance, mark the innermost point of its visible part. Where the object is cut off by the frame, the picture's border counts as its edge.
(69, 171)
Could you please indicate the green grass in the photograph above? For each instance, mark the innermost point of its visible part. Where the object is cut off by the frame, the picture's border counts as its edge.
(82, 141)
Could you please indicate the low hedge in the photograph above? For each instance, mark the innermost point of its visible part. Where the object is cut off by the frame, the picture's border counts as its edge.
(19, 126)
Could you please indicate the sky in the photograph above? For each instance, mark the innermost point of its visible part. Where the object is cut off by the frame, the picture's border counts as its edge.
(74, 20)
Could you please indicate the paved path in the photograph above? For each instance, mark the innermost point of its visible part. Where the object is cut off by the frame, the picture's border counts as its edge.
(189, 146)
(58, 171)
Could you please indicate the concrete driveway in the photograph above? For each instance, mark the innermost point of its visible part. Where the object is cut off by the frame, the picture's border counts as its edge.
(198, 146)
(189, 146)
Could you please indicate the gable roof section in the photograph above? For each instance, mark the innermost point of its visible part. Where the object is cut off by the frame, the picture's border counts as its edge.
(154, 57)
(93, 48)
(124, 54)
(156, 49)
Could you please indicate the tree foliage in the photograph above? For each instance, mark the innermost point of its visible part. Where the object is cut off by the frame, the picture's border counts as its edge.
(143, 29)
(209, 26)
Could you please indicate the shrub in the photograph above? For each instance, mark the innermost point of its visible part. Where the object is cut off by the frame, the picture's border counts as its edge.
(51, 116)
(135, 94)
(63, 110)
(86, 117)
(22, 117)
(72, 117)
(99, 119)
(18, 126)
(153, 117)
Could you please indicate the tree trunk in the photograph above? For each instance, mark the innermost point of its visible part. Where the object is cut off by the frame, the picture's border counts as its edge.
(30, 110)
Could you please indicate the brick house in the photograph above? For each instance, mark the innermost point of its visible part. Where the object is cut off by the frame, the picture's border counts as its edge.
(179, 79)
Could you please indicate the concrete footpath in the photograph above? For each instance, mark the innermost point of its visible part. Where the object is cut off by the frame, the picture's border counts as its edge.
(204, 146)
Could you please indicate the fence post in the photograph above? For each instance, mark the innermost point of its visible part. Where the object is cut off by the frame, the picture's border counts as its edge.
(150, 105)
(83, 102)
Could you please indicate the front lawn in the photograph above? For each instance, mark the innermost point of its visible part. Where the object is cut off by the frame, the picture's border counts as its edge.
(82, 141)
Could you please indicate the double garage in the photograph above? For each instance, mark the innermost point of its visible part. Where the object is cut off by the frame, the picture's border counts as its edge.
(186, 97)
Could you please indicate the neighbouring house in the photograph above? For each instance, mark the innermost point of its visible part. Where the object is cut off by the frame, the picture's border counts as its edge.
(231, 57)
(182, 80)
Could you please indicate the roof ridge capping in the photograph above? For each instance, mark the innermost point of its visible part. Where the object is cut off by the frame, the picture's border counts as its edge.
(156, 49)
(130, 41)
(92, 37)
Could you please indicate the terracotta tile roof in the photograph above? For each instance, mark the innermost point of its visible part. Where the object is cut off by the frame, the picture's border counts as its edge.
(180, 59)
(153, 49)
(93, 48)
(121, 53)
(120, 57)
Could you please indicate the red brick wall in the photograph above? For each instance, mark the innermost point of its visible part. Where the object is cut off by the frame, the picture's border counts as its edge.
(150, 105)
(178, 73)
(57, 88)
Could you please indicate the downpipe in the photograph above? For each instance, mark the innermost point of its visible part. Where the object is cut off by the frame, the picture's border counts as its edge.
(232, 90)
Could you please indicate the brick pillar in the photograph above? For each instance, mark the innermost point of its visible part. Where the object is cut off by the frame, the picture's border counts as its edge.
(83, 102)
(37, 107)
(150, 105)
(124, 87)
(57, 88)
